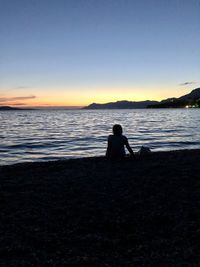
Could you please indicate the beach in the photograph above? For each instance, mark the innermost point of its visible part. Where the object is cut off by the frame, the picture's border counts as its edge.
(95, 212)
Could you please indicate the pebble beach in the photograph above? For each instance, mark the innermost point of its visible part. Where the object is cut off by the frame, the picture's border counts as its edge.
(95, 212)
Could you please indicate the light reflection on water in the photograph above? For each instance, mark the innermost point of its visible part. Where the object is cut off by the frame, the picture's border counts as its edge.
(48, 135)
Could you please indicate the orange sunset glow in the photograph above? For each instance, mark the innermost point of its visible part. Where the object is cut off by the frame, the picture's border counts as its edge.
(84, 96)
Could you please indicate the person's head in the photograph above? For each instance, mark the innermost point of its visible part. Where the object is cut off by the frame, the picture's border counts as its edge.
(117, 129)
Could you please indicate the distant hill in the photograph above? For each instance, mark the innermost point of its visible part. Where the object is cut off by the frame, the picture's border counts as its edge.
(11, 108)
(191, 100)
(122, 105)
(194, 95)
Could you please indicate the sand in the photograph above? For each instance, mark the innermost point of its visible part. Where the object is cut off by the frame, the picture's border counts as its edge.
(93, 212)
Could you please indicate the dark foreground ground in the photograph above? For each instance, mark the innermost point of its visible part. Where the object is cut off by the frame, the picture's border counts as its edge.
(91, 212)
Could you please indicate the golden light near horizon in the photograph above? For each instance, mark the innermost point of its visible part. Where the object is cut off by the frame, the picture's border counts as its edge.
(85, 96)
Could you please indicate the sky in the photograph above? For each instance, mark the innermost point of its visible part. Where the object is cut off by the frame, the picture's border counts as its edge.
(76, 52)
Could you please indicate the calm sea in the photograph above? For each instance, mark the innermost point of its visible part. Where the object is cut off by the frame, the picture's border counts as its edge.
(60, 134)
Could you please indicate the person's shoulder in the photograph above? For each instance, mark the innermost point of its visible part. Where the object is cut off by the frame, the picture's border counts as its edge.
(125, 139)
(110, 136)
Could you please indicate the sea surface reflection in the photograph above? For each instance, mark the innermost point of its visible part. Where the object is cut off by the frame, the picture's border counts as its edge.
(37, 135)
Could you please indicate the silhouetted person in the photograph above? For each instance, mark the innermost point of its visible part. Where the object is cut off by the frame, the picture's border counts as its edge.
(117, 143)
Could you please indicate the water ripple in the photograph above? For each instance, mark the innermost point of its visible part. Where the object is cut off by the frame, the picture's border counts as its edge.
(48, 135)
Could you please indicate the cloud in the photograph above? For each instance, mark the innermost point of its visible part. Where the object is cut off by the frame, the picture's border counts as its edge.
(22, 87)
(17, 104)
(186, 83)
(18, 98)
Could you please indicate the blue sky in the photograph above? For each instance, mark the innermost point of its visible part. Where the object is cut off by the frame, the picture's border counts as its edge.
(75, 52)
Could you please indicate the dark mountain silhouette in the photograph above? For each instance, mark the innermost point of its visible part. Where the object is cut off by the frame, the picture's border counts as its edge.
(192, 100)
(195, 94)
(12, 108)
(122, 105)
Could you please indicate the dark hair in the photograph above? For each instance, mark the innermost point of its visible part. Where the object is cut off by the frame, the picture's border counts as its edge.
(117, 129)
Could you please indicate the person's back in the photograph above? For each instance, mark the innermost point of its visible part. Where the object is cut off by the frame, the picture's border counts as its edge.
(117, 143)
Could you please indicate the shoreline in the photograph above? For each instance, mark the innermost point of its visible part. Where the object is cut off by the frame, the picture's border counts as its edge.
(184, 150)
(95, 212)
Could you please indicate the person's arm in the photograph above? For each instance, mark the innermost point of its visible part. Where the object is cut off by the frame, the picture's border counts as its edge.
(108, 148)
(129, 148)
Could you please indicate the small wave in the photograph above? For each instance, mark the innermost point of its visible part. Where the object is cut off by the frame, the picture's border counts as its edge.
(25, 146)
(4, 150)
(172, 131)
(40, 145)
(53, 135)
(170, 145)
